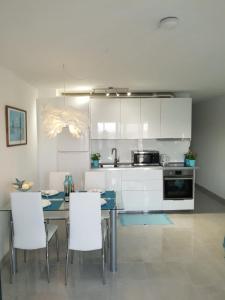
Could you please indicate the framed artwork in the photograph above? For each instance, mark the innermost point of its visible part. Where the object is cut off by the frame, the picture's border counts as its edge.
(16, 126)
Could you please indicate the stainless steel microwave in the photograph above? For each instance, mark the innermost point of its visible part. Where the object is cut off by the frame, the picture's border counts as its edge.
(145, 158)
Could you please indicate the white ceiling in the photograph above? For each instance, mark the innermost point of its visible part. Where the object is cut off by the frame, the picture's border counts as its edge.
(116, 43)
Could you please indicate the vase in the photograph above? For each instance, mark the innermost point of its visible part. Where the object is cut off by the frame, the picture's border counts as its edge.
(95, 163)
(186, 162)
(192, 162)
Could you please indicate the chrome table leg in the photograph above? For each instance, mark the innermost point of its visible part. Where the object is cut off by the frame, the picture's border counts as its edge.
(12, 250)
(113, 240)
(0, 283)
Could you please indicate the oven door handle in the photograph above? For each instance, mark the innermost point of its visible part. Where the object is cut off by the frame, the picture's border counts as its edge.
(178, 178)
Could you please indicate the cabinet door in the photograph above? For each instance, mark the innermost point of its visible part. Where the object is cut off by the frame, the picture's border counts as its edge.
(105, 118)
(142, 200)
(150, 118)
(137, 174)
(176, 118)
(130, 118)
(113, 180)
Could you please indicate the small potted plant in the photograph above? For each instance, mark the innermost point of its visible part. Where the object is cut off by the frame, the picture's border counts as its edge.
(95, 157)
(190, 159)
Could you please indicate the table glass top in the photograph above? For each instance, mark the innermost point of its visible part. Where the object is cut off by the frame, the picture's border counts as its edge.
(58, 203)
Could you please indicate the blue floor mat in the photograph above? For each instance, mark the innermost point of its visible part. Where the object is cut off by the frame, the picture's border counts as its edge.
(144, 219)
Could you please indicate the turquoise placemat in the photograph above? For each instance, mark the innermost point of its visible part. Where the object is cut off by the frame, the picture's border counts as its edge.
(144, 219)
(60, 195)
(108, 194)
(55, 205)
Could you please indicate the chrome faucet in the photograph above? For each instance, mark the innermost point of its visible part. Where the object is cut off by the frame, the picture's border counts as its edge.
(116, 159)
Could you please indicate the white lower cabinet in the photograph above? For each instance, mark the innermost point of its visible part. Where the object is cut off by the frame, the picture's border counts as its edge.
(178, 204)
(113, 180)
(142, 189)
(138, 189)
(142, 200)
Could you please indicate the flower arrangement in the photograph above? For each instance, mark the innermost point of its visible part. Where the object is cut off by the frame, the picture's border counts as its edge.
(95, 157)
(22, 185)
(190, 158)
(190, 155)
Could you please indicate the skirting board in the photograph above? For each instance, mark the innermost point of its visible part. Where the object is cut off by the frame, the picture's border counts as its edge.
(211, 194)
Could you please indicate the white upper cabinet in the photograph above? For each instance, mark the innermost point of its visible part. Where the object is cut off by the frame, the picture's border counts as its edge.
(105, 118)
(130, 118)
(145, 118)
(150, 118)
(176, 118)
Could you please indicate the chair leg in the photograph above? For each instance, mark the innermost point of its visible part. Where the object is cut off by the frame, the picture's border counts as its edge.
(72, 255)
(12, 265)
(47, 263)
(16, 260)
(67, 263)
(57, 245)
(103, 263)
(25, 256)
(108, 232)
(67, 229)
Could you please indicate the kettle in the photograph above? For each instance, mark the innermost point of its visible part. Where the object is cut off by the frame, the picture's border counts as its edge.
(164, 159)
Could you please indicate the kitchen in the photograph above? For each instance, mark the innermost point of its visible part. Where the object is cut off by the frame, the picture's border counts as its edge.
(117, 127)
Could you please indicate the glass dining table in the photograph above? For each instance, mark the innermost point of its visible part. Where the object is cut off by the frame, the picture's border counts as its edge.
(112, 204)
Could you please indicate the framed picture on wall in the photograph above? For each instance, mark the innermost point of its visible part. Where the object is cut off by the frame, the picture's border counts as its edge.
(16, 126)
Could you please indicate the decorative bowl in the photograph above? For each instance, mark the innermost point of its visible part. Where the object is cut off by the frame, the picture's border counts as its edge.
(22, 185)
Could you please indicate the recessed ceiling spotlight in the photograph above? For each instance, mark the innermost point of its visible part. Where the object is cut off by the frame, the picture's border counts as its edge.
(168, 22)
(128, 93)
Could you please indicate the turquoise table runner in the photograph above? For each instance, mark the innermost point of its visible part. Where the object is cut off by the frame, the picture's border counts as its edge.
(57, 200)
(110, 197)
(55, 205)
(59, 196)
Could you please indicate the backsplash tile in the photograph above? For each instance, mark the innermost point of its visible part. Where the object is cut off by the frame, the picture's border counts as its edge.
(175, 149)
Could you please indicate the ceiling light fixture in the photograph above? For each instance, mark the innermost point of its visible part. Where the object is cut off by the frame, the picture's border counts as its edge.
(57, 118)
(108, 92)
(168, 23)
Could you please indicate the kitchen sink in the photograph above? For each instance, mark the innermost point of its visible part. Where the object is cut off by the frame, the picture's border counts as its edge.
(119, 165)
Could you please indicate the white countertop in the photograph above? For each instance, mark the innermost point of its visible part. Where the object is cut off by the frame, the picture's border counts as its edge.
(145, 168)
(128, 168)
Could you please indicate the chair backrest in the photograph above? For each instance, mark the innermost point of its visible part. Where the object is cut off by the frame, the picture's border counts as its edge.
(56, 180)
(95, 180)
(85, 232)
(28, 220)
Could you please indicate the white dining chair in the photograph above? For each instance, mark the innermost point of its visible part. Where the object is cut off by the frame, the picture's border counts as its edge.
(86, 230)
(97, 181)
(29, 231)
(56, 180)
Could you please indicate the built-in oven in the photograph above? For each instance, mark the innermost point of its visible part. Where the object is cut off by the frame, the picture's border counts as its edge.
(178, 184)
(145, 158)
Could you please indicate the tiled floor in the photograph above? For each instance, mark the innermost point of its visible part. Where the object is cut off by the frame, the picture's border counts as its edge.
(181, 261)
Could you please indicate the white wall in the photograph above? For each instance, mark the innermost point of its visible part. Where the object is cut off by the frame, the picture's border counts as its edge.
(209, 143)
(62, 153)
(18, 161)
